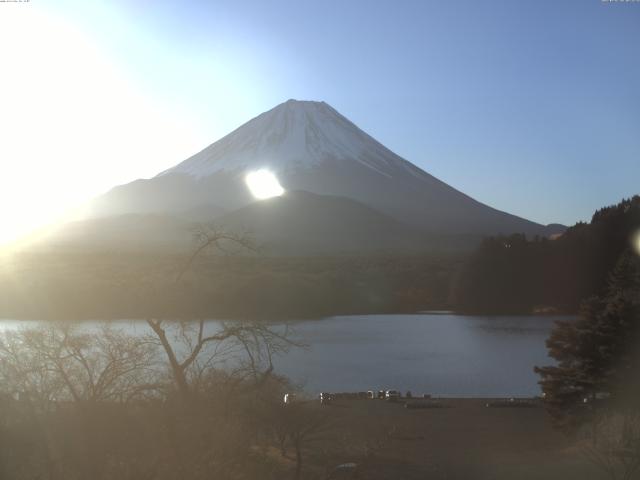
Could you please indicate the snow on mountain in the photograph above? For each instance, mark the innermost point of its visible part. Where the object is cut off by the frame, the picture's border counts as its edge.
(293, 135)
(313, 148)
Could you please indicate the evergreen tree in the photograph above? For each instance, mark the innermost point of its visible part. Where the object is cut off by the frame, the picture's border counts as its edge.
(597, 354)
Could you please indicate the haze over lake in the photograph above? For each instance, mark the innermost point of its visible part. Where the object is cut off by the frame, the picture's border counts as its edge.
(441, 354)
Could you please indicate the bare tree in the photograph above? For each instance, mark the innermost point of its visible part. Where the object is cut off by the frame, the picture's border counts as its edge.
(191, 350)
(60, 362)
(215, 239)
(69, 389)
(76, 385)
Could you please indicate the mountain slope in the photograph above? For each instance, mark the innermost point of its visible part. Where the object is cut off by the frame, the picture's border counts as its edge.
(127, 232)
(305, 223)
(312, 147)
(297, 223)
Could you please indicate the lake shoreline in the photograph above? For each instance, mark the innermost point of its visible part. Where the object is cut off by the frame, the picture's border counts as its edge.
(439, 354)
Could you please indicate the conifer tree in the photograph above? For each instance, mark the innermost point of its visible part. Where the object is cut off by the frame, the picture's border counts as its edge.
(597, 354)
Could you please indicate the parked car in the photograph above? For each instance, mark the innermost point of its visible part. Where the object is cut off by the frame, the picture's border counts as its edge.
(392, 395)
(289, 398)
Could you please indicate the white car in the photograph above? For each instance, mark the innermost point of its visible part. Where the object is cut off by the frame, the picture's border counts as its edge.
(392, 395)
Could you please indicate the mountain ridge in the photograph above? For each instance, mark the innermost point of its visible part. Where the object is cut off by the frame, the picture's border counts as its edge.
(308, 133)
(311, 147)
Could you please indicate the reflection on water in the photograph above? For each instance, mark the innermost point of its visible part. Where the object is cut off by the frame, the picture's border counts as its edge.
(443, 354)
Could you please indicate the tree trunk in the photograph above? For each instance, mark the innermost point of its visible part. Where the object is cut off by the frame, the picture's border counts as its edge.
(298, 458)
(176, 369)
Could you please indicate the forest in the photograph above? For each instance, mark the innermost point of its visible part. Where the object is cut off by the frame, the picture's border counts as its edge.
(112, 285)
(514, 274)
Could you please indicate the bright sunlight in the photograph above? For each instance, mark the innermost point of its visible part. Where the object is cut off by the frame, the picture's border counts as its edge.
(263, 184)
(72, 125)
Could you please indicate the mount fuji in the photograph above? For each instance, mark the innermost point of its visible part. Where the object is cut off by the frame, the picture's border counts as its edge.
(312, 148)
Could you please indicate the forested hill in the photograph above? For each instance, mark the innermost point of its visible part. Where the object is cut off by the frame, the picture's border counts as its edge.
(516, 275)
(112, 285)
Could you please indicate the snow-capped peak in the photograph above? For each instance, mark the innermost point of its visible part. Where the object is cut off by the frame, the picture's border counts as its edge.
(292, 135)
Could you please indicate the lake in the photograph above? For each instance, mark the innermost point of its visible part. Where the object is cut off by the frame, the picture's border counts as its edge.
(440, 354)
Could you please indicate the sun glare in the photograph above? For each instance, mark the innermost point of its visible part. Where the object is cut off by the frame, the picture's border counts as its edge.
(73, 124)
(635, 242)
(263, 184)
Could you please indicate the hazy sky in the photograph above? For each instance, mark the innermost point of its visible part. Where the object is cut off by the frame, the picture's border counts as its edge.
(530, 106)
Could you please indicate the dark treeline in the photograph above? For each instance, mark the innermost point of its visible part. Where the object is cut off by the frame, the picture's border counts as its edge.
(516, 275)
(127, 285)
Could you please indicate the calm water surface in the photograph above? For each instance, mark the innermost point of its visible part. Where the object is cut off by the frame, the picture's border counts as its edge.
(438, 354)
(442, 354)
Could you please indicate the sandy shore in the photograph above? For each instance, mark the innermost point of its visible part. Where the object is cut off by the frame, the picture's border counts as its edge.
(462, 440)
